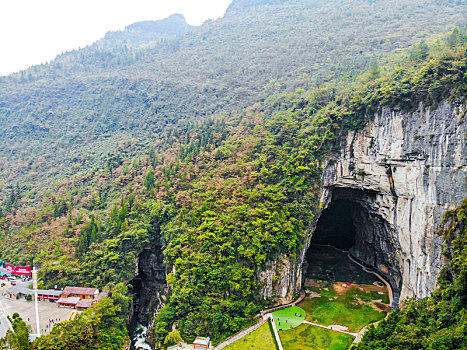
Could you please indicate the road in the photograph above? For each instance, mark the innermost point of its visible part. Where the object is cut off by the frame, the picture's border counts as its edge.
(5, 325)
(47, 311)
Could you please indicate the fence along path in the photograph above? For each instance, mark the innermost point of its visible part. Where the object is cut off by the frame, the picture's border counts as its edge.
(240, 334)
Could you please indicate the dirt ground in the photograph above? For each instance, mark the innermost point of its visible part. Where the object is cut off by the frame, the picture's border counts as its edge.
(342, 290)
(338, 287)
(314, 283)
(381, 307)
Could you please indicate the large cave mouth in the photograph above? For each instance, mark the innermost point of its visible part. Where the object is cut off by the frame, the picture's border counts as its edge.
(352, 228)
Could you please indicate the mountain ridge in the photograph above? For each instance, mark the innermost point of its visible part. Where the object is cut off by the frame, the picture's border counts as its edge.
(80, 106)
(145, 32)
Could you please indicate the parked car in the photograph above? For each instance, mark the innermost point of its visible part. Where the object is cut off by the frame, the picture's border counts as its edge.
(13, 283)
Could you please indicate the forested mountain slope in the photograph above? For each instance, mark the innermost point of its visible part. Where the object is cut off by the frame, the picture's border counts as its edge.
(208, 146)
(222, 197)
(69, 115)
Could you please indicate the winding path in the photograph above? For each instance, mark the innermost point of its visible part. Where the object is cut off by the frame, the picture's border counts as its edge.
(388, 285)
(240, 334)
(336, 328)
(267, 314)
(276, 333)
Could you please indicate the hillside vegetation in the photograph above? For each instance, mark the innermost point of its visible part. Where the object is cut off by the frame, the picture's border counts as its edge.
(73, 114)
(210, 141)
(226, 195)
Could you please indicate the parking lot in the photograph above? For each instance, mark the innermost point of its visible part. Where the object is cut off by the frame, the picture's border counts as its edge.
(47, 310)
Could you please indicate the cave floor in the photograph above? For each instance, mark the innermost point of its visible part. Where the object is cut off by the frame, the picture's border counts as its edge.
(340, 296)
(308, 337)
(331, 264)
(355, 306)
(340, 292)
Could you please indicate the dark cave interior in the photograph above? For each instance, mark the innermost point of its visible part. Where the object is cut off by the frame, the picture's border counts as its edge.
(336, 226)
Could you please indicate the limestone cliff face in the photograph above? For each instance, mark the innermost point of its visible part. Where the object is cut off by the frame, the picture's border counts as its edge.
(404, 170)
(280, 280)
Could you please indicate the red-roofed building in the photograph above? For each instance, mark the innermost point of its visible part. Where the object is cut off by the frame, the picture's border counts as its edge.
(68, 302)
(201, 343)
(84, 304)
(80, 292)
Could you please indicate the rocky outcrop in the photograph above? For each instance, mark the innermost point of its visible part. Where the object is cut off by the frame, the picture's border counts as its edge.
(149, 283)
(403, 170)
(280, 279)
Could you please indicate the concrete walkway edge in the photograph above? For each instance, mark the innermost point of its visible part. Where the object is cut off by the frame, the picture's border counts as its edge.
(276, 333)
(240, 335)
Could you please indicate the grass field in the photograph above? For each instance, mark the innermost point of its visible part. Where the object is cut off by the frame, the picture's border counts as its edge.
(260, 339)
(340, 309)
(307, 337)
(288, 318)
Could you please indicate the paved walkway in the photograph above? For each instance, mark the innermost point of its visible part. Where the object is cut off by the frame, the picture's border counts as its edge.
(300, 298)
(334, 327)
(240, 334)
(276, 333)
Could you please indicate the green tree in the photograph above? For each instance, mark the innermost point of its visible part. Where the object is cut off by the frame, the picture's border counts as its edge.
(18, 338)
(99, 327)
(149, 180)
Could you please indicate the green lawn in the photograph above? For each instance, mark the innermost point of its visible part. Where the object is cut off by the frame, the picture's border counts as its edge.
(307, 337)
(261, 339)
(342, 312)
(288, 318)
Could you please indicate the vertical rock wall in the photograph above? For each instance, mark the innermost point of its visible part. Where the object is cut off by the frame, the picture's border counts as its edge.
(149, 283)
(409, 168)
